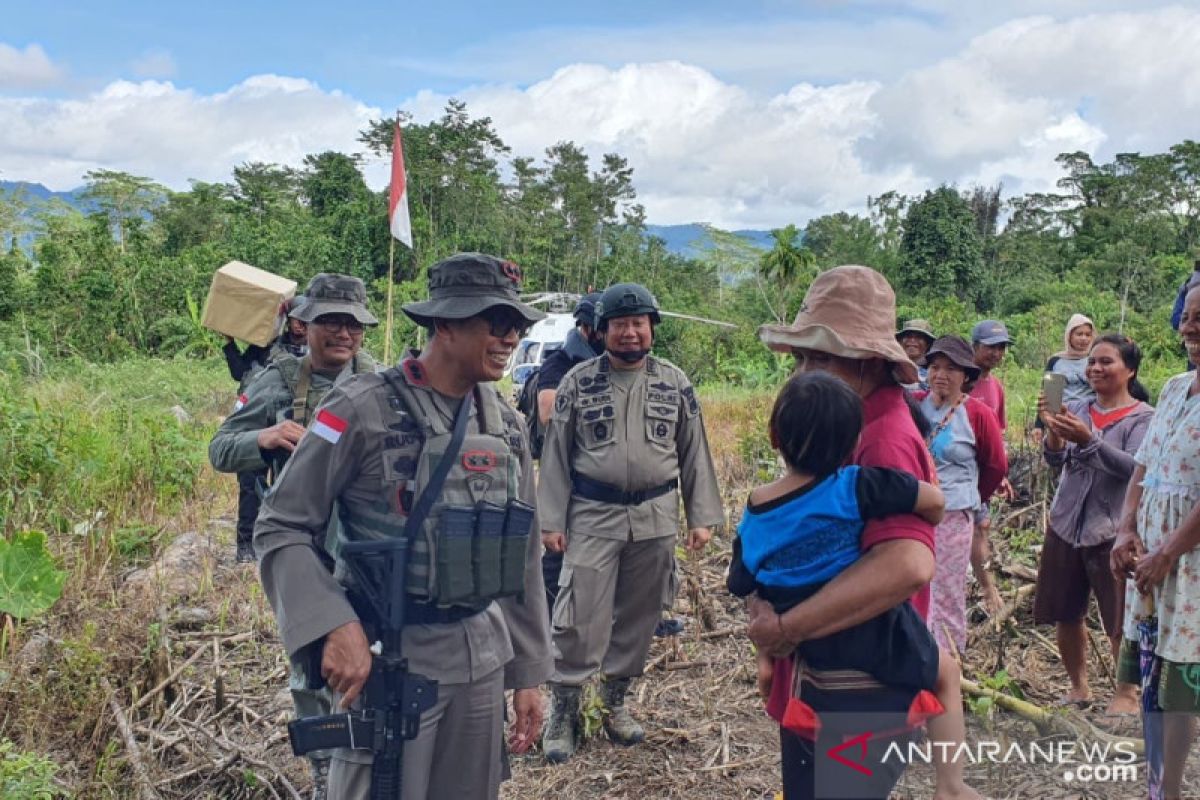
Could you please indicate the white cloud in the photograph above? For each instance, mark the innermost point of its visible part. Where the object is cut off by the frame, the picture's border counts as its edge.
(154, 64)
(996, 106)
(170, 134)
(26, 69)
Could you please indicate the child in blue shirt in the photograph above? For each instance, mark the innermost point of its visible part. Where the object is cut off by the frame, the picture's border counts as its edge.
(801, 531)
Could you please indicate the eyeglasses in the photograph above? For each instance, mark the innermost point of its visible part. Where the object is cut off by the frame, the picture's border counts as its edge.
(502, 321)
(333, 324)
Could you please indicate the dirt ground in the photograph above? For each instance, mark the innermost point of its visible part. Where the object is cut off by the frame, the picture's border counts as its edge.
(218, 730)
(197, 707)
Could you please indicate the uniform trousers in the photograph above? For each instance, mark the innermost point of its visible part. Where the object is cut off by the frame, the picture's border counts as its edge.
(610, 599)
(248, 503)
(456, 754)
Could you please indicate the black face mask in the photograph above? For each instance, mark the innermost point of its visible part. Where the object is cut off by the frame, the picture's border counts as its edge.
(630, 356)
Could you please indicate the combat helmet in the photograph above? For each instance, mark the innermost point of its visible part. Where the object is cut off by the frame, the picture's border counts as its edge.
(625, 300)
(585, 310)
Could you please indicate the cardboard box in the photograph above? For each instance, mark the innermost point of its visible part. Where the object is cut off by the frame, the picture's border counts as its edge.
(243, 302)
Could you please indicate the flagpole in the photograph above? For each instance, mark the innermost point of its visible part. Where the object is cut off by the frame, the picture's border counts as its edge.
(387, 336)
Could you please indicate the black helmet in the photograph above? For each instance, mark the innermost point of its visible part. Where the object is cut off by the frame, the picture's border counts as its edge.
(625, 300)
(585, 310)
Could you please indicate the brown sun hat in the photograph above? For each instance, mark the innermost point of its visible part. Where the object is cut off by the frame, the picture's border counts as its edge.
(958, 351)
(850, 312)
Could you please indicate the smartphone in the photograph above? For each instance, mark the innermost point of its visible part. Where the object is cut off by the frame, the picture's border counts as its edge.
(1052, 387)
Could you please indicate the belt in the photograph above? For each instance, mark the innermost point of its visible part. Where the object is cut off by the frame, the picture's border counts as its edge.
(415, 612)
(589, 489)
(427, 614)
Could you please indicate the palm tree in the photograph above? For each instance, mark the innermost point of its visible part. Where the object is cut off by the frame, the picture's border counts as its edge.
(784, 266)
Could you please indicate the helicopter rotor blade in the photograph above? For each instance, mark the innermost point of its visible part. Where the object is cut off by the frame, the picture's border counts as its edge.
(691, 318)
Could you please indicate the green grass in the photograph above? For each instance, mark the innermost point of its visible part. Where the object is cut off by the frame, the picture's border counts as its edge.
(84, 445)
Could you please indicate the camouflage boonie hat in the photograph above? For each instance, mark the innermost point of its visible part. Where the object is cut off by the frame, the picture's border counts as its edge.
(465, 284)
(917, 326)
(328, 293)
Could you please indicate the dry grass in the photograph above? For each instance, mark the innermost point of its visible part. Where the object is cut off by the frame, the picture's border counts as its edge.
(215, 729)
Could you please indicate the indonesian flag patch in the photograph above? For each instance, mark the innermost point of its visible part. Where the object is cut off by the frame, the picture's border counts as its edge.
(328, 426)
(240, 404)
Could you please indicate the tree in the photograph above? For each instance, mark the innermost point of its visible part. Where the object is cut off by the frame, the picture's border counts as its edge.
(940, 248)
(843, 238)
(783, 268)
(122, 197)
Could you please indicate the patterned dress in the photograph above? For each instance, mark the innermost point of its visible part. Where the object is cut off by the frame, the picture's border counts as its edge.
(1171, 490)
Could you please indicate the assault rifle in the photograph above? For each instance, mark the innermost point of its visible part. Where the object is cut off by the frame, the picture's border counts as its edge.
(393, 698)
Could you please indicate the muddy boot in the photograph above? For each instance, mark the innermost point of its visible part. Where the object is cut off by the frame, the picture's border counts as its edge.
(562, 730)
(621, 727)
(320, 776)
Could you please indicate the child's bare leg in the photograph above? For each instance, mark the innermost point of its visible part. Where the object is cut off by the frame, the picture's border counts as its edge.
(950, 727)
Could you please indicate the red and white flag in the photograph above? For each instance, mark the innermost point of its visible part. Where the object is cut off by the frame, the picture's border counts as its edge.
(398, 218)
(328, 426)
(240, 404)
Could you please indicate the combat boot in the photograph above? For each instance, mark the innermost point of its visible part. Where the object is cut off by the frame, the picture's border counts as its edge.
(245, 551)
(562, 730)
(620, 725)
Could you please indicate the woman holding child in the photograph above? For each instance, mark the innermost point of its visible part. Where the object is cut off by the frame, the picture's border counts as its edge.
(845, 328)
(968, 451)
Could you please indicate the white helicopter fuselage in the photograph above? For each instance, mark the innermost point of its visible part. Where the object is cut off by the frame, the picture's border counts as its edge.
(543, 338)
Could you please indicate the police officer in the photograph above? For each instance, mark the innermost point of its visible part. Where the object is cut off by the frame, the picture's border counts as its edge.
(625, 441)
(583, 343)
(372, 451)
(273, 412)
(243, 367)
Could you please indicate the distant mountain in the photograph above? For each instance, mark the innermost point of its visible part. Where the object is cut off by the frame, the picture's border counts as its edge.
(696, 241)
(36, 191)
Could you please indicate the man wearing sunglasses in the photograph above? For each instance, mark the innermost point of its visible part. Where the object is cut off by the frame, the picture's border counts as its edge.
(625, 444)
(274, 410)
(475, 617)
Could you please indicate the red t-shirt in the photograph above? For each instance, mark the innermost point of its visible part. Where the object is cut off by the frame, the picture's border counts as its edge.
(991, 392)
(889, 439)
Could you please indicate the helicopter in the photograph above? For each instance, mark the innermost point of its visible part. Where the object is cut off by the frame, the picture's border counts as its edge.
(550, 333)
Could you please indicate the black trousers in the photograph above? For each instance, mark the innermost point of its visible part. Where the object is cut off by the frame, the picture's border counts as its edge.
(248, 502)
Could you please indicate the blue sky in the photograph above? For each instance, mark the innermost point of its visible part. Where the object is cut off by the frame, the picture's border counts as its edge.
(748, 115)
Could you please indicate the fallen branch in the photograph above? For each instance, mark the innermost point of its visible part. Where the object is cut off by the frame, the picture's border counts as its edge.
(140, 773)
(1049, 722)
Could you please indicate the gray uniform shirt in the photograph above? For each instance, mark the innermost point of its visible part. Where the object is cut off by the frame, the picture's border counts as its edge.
(265, 402)
(353, 470)
(633, 430)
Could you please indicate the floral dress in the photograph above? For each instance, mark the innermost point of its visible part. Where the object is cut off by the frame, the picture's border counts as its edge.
(1171, 489)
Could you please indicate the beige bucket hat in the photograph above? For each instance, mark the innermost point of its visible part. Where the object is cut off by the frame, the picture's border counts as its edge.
(850, 312)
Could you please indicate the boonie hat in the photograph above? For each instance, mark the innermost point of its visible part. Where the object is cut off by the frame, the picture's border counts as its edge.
(328, 293)
(849, 311)
(918, 326)
(293, 304)
(990, 331)
(958, 351)
(465, 284)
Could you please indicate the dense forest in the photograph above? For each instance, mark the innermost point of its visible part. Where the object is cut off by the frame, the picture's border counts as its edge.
(131, 276)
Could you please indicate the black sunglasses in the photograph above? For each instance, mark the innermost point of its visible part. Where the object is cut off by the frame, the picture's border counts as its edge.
(502, 320)
(333, 324)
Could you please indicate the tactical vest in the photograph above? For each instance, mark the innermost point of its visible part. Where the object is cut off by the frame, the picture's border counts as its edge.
(297, 374)
(471, 548)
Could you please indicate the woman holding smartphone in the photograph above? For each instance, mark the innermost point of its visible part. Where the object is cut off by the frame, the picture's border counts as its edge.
(1094, 442)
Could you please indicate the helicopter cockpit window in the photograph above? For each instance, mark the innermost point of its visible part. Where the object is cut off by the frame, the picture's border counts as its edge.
(527, 352)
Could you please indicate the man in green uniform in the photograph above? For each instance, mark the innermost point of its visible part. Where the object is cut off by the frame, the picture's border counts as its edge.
(272, 414)
(475, 616)
(626, 439)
